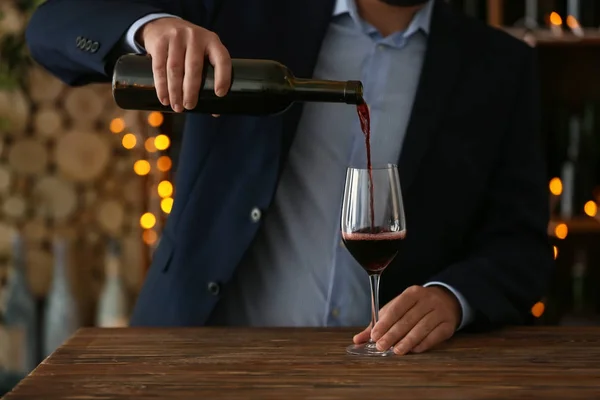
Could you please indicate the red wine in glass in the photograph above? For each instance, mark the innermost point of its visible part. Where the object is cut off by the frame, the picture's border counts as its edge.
(372, 228)
(374, 249)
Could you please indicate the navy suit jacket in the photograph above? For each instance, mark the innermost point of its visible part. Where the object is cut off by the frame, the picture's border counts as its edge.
(473, 177)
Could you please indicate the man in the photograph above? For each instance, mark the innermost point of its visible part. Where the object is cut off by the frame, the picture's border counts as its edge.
(253, 238)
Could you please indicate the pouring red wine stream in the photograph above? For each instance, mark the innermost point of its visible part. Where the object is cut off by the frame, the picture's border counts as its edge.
(365, 125)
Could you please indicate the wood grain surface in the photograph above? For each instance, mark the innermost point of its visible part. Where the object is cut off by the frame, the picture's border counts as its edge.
(289, 364)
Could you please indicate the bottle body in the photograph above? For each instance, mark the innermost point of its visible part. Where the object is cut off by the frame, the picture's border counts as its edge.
(112, 304)
(61, 318)
(258, 87)
(21, 311)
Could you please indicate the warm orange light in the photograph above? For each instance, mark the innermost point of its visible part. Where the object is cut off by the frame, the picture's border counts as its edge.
(166, 205)
(141, 167)
(538, 309)
(590, 208)
(572, 22)
(129, 141)
(561, 231)
(165, 189)
(117, 125)
(162, 142)
(555, 186)
(555, 19)
(164, 163)
(155, 119)
(149, 145)
(147, 220)
(555, 252)
(149, 237)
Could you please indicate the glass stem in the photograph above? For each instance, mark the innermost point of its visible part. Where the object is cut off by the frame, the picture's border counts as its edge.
(374, 280)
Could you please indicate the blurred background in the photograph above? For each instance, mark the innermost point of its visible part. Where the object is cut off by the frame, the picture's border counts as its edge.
(85, 187)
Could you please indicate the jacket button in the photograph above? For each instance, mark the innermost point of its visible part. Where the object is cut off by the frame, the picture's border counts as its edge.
(255, 214)
(94, 47)
(213, 288)
(88, 45)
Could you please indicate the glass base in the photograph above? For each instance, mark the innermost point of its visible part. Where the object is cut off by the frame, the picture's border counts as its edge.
(368, 349)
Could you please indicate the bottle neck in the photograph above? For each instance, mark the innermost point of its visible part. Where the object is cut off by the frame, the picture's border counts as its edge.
(60, 261)
(349, 92)
(18, 255)
(111, 268)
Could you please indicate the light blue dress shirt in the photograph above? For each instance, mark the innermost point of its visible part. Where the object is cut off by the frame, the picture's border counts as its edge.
(297, 272)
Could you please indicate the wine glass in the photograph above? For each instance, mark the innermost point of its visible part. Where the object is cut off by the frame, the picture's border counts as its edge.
(373, 226)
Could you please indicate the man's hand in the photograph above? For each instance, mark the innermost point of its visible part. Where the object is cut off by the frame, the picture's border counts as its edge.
(415, 321)
(178, 49)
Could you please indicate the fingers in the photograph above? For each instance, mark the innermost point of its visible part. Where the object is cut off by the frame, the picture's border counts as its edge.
(396, 310)
(416, 320)
(417, 334)
(403, 327)
(441, 333)
(383, 310)
(175, 67)
(178, 49)
(363, 336)
(366, 334)
(220, 59)
(192, 78)
(159, 69)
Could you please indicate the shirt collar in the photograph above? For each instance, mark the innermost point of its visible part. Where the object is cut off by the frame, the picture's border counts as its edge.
(421, 20)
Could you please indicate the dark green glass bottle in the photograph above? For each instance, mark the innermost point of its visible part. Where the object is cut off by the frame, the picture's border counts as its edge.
(258, 87)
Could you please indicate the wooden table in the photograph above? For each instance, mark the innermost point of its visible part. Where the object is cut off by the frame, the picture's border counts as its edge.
(289, 364)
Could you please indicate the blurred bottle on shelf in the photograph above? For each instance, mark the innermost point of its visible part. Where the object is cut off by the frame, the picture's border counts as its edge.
(582, 313)
(589, 153)
(112, 305)
(578, 170)
(61, 317)
(569, 169)
(20, 313)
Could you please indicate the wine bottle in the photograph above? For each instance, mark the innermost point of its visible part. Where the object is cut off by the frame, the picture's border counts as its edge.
(588, 173)
(112, 305)
(258, 87)
(20, 316)
(569, 199)
(579, 168)
(582, 313)
(61, 317)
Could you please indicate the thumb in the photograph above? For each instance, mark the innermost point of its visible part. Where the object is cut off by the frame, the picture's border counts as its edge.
(363, 336)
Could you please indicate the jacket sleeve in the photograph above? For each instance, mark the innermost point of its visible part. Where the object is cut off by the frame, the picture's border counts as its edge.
(79, 40)
(511, 262)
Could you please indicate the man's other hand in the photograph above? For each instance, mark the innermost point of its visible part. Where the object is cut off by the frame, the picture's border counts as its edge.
(415, 321)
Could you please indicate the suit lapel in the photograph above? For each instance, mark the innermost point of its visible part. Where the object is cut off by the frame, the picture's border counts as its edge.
(439, 76)
(302, 34)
